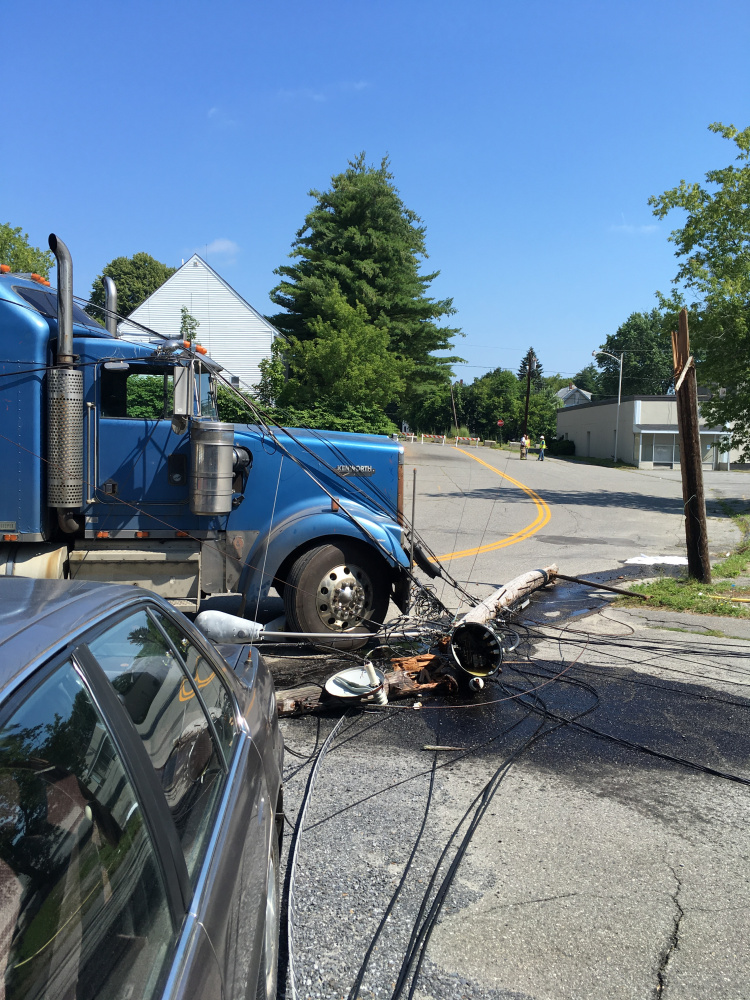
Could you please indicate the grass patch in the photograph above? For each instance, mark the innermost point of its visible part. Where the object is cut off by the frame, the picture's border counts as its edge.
(736, 563)
(715, 633)
(683, 594)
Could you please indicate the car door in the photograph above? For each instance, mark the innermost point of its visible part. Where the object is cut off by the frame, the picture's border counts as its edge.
(230, 901)
(179, 697)
(91, 905)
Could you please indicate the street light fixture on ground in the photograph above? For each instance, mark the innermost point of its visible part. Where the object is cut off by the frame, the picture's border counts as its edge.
(619, 390)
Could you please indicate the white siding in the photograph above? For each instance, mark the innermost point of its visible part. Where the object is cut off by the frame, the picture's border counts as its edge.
(232, 332)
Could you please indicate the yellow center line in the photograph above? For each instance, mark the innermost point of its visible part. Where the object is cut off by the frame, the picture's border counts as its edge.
(542, 517)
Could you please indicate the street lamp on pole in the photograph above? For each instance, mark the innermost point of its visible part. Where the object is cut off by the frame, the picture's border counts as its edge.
(619, 390)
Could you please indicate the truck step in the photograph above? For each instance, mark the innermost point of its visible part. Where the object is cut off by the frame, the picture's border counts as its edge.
(169, 568)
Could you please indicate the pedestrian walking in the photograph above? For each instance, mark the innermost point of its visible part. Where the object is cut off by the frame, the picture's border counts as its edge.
(542, 446)
(524, 447)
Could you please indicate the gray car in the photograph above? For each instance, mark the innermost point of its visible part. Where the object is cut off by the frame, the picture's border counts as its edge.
(140, 801)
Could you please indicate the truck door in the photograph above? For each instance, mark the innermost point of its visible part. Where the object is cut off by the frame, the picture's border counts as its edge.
(138, 459)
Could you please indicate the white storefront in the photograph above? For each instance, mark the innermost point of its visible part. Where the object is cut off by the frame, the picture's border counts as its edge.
(647, 433)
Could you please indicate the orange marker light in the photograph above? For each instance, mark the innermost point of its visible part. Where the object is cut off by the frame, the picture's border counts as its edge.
(10, 538)
(102, 534)
(4, 268)
(200, 350)
(142, 534)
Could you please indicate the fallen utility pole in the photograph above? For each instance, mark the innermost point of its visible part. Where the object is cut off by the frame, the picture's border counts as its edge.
(694, 503)
(514, 591)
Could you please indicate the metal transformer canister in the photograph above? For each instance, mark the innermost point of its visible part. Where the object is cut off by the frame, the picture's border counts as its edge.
(65, 438)
(211, 462)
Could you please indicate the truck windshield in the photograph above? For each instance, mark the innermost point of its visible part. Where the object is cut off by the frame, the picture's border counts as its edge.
(46, 303)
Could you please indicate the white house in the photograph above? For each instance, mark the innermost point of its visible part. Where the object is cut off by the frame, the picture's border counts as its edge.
(571, 395)
(233, 333)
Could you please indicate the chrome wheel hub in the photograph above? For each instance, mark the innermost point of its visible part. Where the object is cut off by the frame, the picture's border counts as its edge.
(344, 598)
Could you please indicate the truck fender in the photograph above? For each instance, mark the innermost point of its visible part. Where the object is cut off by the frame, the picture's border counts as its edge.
(299, 532)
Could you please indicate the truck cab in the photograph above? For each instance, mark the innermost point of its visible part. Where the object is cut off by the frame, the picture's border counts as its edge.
(118, 468)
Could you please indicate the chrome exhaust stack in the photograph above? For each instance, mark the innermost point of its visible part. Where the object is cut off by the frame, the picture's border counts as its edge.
(110, 306)
(65, 399)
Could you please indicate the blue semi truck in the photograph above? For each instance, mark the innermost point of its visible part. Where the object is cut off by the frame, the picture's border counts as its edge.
(177, 500)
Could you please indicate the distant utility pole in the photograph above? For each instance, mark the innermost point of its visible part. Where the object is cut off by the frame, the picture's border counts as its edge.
(694, 503)
(453, 402)
(529, 369)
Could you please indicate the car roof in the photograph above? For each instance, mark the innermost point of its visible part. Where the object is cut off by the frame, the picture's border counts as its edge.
(39, 617)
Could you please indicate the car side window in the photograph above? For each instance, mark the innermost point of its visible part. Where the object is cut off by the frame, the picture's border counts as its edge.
(160, 698)
(214, 694)
(83, 908)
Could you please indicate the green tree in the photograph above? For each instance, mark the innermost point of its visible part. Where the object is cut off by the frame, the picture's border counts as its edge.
(588, 379)
(361, 239)
(647, 357)
(272, 375)
(346, 362)
(188, 325)
(136, 278)
(497, 395)
(537, 370)
(713, 249)
(20, 255)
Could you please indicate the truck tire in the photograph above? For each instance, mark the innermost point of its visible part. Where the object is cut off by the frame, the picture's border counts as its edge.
(337, 588)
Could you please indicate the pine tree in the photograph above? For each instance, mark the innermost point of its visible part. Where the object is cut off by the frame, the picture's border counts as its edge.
(537, 371)
(360, 240)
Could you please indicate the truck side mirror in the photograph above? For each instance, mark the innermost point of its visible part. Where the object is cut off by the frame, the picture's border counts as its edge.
(183, 397)
(183, 384)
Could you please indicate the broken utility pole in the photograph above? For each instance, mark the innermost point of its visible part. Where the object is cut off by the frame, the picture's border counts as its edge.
(686, 391)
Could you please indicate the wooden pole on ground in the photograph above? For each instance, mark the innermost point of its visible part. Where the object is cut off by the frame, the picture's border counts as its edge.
(513, 591)
(686, 391)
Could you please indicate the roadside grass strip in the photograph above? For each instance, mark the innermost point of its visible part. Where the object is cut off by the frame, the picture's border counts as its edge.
(542, 517)
(684, 594)
(722, 598)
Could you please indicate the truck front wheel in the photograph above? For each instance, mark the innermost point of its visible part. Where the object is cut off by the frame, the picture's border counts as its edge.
(336, 588)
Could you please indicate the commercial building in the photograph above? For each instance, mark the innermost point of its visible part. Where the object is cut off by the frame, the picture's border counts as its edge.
(647, 432)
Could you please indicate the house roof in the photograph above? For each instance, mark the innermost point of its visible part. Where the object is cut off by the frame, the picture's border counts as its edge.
(570, 390)
(144, 306)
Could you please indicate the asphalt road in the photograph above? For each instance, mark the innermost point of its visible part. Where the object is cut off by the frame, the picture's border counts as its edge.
(607, 814)
(521, 515)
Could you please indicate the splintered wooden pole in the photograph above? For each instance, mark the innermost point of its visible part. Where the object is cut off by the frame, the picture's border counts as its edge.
(686, 391)
(518, 588)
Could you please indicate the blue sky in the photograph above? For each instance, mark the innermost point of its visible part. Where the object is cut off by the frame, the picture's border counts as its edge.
(528, 136)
